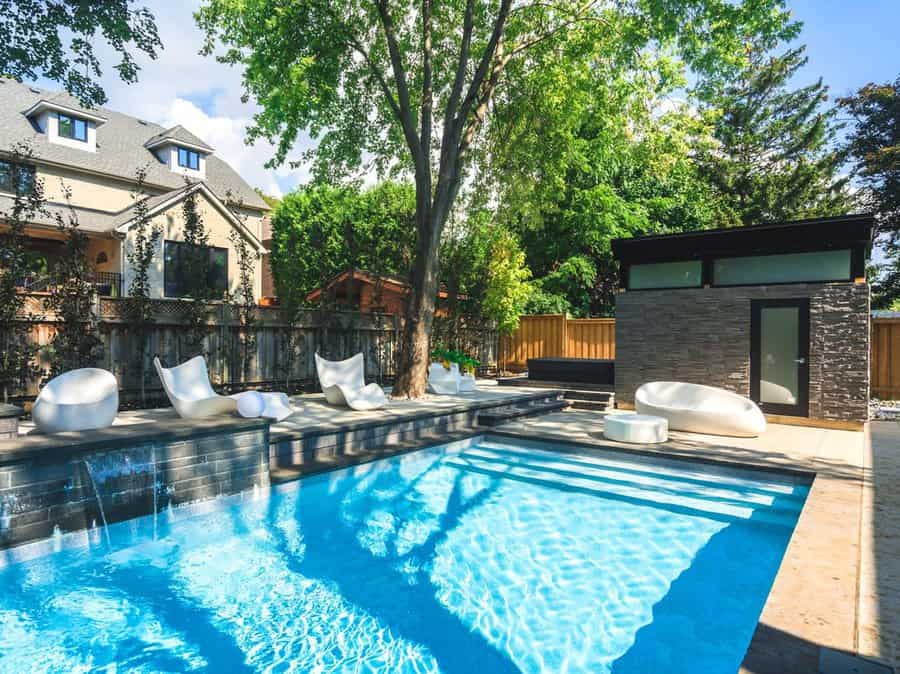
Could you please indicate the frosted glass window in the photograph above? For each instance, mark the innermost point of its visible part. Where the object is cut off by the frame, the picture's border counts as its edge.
(665, 275)
(829, 265)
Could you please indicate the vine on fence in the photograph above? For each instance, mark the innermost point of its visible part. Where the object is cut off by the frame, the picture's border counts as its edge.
(143, 242)
(244, 300)
(77, 342)
(194, 304)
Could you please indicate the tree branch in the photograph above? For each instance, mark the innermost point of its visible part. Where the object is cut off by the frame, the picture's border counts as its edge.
(406, 118)
(462, 65)
(484, 64)
(427, 93)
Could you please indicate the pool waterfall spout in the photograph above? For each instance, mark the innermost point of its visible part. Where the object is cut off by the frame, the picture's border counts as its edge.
(87, 466)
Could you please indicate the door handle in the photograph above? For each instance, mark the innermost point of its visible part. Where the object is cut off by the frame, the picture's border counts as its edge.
(800, 361)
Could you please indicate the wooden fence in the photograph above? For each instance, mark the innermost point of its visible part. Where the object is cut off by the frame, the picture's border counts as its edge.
(885, 360)
(283, 357)
(555, 335)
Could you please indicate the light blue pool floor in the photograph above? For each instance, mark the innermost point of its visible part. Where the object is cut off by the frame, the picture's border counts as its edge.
(478, 557)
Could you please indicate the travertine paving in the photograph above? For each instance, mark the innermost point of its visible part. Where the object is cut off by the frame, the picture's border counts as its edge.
(879, 582)
(814, 601)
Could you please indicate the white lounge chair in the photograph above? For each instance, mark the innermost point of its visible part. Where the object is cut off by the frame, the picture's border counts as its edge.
(700, 409)
(443, 381)
(188, 388)
(78, 400)
(343, 382)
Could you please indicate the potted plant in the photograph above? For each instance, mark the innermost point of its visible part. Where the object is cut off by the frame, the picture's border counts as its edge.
(457, 365)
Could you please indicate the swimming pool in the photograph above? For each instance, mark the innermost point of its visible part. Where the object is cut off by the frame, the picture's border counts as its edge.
(487, 555)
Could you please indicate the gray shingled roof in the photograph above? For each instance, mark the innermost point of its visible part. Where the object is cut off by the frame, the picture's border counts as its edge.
(89, 220)
(178, 134)
(120, 145)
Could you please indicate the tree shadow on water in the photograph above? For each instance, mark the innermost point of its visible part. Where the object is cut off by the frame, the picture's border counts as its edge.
(395, 588)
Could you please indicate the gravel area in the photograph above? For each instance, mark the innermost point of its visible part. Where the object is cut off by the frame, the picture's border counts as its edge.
(887, 410)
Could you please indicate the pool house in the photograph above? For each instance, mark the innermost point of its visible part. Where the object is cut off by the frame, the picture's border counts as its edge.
(775, 312)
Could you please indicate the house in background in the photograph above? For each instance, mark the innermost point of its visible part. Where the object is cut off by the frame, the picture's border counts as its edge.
(369, 293)
(96, 155)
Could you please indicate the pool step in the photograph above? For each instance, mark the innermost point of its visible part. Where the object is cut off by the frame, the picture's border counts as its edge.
(717, 496)
(701, 476)
(498, 415)
(677, 500)
(601, 401)
(581, 396)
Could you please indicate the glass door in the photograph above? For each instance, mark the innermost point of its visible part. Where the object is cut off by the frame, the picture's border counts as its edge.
(779, 356)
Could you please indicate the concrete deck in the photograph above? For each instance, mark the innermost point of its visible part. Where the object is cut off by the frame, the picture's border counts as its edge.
(839, 583)
(314, 414)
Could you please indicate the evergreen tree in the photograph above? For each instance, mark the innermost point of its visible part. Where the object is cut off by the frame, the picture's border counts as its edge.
(776, 156)
(874, 146)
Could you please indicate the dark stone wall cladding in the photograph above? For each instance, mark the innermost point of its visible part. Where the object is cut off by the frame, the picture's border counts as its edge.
(702, 336)
(295, 451)
(39, 494)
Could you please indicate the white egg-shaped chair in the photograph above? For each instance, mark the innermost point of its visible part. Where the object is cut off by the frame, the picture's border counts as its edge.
(700, 409)
(78, 400)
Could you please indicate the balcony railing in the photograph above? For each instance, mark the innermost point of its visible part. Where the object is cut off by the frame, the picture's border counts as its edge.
(106, 283)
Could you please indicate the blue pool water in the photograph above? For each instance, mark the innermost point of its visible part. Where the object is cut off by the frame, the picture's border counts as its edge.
(481, 556)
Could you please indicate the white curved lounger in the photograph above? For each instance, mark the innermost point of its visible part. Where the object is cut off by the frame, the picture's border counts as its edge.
(442, 381)
(188, 388)
(78, 400)
(343, 382)
(700, 409)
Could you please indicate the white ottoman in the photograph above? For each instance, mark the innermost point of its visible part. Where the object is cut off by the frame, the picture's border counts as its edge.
(637, 428)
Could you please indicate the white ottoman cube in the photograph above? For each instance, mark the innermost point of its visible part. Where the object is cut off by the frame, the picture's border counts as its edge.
(636, 428)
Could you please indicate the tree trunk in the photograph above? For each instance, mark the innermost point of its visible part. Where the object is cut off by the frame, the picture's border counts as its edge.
(415, 341)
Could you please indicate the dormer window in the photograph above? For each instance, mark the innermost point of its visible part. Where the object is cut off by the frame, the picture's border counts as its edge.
(73, 127)
(181, 151)
(65, 124)
(188, 159)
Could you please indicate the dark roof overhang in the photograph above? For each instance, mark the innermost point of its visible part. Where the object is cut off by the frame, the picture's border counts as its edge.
(798, 236)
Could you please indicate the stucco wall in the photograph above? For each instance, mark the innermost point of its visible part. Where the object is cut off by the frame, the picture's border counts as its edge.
(219, 228)
(88, 191)
(702, 336)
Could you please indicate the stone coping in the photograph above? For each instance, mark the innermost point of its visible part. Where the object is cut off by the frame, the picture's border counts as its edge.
(348, 421)
(39, 445)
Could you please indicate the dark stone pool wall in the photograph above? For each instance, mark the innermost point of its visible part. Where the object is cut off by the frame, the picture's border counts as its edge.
(54, 481)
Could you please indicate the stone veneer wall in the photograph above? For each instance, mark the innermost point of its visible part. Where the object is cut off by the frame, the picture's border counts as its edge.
(54, 481)
(702, 336)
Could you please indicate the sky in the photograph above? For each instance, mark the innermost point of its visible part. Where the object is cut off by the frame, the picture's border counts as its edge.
(849, 43)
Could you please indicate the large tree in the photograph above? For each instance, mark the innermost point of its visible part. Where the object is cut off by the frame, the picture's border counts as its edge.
(56, 39)
(321, 230)
(874, 145)
(776, 157)
(411, 84)
(609, 154)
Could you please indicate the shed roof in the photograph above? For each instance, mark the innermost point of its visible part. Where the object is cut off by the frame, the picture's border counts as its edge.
(834, 233)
